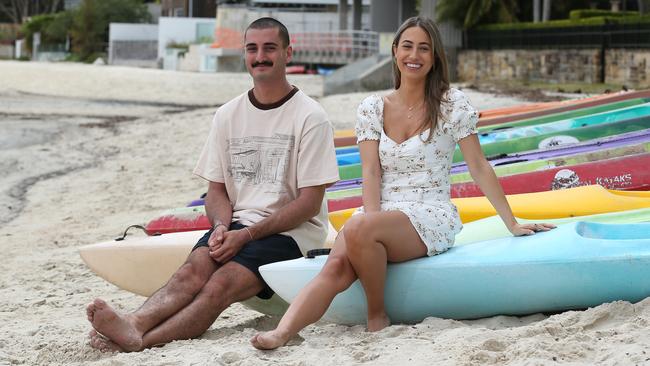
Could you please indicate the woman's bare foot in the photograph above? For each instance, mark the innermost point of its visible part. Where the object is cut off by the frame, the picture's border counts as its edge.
(116, 328)
(378, 323)
(269, 340)
(103, 344)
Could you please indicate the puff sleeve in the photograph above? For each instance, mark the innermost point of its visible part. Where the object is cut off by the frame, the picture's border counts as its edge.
(369, 118)
(463, 117)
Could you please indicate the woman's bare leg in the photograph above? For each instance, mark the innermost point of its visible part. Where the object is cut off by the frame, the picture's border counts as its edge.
(313, 300)
(374, 239)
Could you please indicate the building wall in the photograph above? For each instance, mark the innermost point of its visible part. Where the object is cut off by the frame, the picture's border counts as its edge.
(133, 44)
(178, 30)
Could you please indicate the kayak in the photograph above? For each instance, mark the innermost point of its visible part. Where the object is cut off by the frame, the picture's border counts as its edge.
(345, 141)
(559, 138)
(529, 166)
(352, 171)
(142, 265)
(573, 159)
(625, 173)
(491, 114)
(190, 219)
(564, 115)
(570, 105)
(616, 115)
(542, 141)
(629, 172)
(578, 201)
(493, 227)
(603, 143)
(574, 266)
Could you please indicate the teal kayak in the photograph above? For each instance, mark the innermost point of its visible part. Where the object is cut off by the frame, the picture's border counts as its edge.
(576, 266)
(567, 124)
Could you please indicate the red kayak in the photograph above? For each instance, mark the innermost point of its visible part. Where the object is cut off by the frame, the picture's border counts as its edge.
(624, 173)
(184, 219)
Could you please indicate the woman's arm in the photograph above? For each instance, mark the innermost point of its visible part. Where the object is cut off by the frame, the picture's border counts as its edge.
(484, 176)
(371, 173)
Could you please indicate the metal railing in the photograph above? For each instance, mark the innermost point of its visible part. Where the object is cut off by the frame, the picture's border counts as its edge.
(340, 47)
(635, 35)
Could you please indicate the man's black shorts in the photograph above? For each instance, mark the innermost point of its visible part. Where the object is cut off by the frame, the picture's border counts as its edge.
(256, 253)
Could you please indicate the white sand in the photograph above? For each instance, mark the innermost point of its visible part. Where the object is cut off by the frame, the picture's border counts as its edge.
(85, 177)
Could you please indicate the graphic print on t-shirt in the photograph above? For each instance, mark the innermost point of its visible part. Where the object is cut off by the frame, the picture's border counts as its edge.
(260, 160)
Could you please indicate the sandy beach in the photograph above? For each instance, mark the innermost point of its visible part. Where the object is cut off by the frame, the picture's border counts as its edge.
(87, 150)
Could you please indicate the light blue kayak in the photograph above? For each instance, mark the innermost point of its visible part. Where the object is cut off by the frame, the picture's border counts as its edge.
(575, 266)
(567, 124)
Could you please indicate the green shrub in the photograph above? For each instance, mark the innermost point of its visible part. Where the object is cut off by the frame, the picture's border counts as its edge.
(54, 28)
(594, 21)
(592, 13)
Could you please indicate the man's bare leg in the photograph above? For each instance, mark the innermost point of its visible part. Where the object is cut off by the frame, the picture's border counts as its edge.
(127, 330)
(313, 300)
(229, 284)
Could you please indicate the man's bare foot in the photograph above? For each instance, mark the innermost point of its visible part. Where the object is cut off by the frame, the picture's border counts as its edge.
(103, 344)
(117, 328)
(269, 340)
(378, 323)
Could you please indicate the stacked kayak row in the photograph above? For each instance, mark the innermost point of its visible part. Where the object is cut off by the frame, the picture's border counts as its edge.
(600, 251)
(554, 161)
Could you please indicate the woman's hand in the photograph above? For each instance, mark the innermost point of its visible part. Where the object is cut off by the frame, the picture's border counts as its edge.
(529, 229)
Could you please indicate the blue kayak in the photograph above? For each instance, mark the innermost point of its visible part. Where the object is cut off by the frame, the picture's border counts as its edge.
(575, 266)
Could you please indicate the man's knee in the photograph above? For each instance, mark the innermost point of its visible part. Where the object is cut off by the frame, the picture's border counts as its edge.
(231, 283)
(190, 276)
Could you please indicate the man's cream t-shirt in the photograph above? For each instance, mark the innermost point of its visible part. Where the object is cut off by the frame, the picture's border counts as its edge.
(265, 153)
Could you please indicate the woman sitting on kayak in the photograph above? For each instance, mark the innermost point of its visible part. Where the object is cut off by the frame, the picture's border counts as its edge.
(406, 142)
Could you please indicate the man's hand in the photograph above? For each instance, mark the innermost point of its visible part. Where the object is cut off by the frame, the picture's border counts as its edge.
(231, 244)
(216, 238)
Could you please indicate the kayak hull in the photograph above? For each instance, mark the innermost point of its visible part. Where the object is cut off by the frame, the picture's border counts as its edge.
(551, 271)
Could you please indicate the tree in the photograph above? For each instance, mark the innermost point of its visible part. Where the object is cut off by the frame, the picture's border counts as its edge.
(18, 10)
(92, 19)
(470, 13)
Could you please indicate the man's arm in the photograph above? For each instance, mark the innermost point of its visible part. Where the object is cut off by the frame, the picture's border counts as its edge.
(219, 212)
(304, 207)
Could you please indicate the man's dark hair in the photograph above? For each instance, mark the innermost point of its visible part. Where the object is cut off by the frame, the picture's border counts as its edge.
(267, 22)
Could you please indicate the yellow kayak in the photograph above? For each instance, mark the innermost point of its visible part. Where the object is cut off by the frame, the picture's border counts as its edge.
(343, 133)
(579, 201)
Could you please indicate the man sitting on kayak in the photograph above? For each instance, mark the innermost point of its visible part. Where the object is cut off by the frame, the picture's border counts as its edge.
(268, 159)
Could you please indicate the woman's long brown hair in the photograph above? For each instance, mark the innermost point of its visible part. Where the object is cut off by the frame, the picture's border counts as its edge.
(437, 82)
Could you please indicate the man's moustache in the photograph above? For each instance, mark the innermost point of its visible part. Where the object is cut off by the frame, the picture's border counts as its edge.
(263, 63)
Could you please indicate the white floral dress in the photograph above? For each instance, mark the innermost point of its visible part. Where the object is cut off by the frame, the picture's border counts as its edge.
(415, 174)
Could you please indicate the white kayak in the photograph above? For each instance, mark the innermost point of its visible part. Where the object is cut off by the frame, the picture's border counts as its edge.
(142, 265)
(577, 265)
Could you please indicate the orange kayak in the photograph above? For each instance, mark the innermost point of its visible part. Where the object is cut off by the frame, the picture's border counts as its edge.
(569, 105)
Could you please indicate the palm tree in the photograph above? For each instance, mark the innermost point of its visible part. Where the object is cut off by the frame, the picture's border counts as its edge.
(469, 13)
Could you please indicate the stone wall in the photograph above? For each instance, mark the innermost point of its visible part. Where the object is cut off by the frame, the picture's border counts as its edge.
(622, 66)
(629, 67)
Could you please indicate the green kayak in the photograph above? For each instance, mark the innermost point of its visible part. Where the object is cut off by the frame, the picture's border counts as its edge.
(559, 138)
(494, 228)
